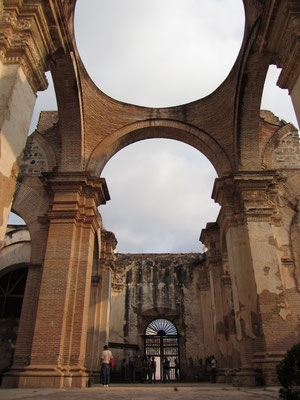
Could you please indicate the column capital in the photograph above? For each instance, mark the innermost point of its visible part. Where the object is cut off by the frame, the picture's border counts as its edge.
(75, 196)
(29, 36)
(108, 245)
(248, 196)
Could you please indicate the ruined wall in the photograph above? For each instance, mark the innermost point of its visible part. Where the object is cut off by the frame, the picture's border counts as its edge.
(149, 286)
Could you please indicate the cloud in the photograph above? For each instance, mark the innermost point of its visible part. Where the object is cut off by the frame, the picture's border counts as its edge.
(161, 197)
(140, 49)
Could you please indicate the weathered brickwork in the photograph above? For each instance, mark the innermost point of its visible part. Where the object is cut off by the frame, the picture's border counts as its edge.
(34, 160)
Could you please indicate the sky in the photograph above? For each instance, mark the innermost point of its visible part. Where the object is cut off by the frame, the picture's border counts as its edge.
(161, 53)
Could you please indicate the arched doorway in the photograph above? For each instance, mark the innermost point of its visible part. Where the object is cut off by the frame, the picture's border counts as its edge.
(162, 340)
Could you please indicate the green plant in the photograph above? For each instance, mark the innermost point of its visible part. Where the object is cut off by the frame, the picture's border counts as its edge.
(288, 372)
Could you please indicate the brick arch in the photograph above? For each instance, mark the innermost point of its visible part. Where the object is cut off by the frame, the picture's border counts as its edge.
(273, 143)
(166, 129)
(31, 202)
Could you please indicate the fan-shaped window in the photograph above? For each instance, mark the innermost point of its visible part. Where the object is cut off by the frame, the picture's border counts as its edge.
(161, 327)
(161, 340)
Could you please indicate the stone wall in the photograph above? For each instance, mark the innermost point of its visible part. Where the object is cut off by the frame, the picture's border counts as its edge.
(150, 286)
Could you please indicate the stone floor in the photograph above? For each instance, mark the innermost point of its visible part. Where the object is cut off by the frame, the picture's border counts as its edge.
(145, 392)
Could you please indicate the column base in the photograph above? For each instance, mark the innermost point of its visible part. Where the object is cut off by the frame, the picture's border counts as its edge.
(45, 377)
(244, 377)
(265, 366)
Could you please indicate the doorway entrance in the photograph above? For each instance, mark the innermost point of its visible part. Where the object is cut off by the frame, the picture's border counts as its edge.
(162, 340)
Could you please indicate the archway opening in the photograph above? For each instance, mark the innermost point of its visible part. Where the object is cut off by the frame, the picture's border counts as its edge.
(12, 288)
(277, 100)
(160, 197)
(162, 347)
(158, 53)
(46, 101)
(15, 219)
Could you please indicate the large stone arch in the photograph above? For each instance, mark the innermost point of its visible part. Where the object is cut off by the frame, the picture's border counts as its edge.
(167, 129)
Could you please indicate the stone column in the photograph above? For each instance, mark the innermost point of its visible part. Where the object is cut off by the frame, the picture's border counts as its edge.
(207, 322)
(210, 237)
(59, 342)
(248, 215)
(108, 244)
(99, 311)
(220, 286)
(25, 42)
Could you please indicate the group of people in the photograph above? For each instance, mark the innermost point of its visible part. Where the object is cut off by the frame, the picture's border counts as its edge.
(143, 370)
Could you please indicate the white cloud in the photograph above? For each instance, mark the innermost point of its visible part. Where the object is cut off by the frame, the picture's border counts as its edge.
(161, 197)
(140, 49)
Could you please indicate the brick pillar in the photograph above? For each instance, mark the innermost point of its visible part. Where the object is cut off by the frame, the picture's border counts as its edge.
(59, 342)
(247, 218)
(25, 43)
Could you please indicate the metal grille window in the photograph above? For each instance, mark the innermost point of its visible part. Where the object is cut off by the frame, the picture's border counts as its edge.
(161, 340)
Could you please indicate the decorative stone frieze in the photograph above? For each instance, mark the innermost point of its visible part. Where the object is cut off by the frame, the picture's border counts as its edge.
(108, 245)
(26, 39)
(118, 278)
(248, 196)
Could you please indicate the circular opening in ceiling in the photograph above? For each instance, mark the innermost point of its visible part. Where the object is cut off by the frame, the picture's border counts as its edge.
(158, 53)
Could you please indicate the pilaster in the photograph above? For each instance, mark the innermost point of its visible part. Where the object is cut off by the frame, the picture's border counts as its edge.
(108, 245)
(220, 286)
(25, 46)
(248, 218)
(59, 341)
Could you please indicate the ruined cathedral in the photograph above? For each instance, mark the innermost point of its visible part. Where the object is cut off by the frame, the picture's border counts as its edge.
(64, 292)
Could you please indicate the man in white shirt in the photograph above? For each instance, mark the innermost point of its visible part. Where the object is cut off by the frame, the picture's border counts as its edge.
(105, 365)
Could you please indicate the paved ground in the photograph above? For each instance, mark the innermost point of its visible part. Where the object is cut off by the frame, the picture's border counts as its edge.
(145, 392)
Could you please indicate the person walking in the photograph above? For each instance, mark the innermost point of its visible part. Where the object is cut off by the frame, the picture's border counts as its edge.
(106, 358)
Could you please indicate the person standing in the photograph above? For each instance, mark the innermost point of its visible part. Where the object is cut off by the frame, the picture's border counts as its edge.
(176, 369)
(149, 372)
(106, 356)
(166, 369)
(213, 366)
(153, 370)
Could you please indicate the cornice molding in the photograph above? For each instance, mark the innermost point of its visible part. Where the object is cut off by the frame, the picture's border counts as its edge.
(28, 38)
